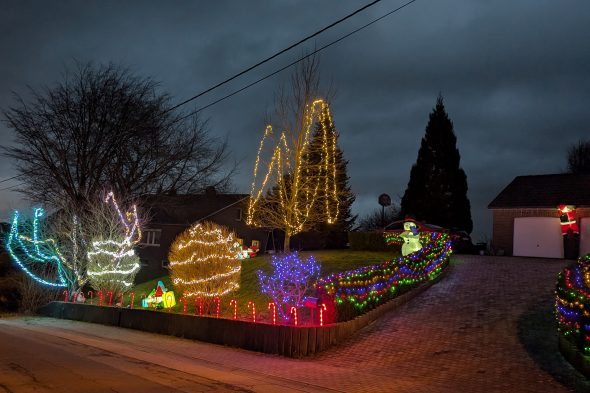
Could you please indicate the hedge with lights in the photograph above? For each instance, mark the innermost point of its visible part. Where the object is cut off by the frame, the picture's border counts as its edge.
(355, 292)
(204, 262)
(572, 304)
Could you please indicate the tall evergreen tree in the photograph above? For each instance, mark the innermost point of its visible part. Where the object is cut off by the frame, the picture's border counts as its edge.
(437, 190)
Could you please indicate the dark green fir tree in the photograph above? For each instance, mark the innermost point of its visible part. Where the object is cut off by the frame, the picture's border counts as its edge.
(437, 190)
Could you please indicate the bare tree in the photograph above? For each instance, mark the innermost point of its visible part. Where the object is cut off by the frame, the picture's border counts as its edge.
(300, 192)
(578, 158)
(379, 218)
(103, 128)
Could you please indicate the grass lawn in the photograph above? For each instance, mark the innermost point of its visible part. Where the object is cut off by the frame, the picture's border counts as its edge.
(331, 261)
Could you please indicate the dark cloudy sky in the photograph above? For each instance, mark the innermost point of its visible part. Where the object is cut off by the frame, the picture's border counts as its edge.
(515, 76)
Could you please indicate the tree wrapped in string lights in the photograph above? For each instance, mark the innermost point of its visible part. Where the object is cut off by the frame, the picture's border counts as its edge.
(203, 261)
(112, 262)
(38, 256)
(290, 281)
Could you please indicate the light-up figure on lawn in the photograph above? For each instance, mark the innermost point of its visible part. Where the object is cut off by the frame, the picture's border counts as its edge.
(411, 238)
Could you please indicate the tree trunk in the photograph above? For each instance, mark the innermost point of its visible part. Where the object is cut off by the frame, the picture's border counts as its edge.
(287, 242)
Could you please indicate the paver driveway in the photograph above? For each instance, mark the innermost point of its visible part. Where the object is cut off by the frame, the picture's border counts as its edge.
(486, 327)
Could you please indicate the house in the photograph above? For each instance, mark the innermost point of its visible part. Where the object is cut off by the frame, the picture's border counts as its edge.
(543, 216)
(170, 215)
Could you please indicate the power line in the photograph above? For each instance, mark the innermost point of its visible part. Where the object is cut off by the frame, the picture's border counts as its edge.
(296, 61)
(273, 56)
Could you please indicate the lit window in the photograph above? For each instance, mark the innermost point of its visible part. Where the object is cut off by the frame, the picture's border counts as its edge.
(151, 237)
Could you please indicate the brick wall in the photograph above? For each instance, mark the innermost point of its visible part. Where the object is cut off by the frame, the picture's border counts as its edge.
(503, 223)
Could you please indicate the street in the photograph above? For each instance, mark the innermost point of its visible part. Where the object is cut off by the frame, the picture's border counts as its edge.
(486, 327)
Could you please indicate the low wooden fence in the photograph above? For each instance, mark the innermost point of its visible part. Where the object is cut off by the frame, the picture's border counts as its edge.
(291, 341)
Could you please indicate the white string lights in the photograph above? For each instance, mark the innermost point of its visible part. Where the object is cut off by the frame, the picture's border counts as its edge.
(203, 261)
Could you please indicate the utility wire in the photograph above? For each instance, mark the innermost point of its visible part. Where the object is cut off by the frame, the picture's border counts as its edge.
(296, 61)
(273, 56)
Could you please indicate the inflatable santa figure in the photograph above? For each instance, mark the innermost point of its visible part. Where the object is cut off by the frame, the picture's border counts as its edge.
(567, 216)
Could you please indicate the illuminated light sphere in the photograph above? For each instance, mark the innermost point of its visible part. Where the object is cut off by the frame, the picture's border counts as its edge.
(203, 261)
(112, 262)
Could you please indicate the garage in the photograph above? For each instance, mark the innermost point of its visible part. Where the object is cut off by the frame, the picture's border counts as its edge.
(538, 237)
(585, 236)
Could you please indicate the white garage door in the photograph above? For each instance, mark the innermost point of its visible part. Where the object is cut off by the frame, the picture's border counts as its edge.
(537, 237)
(585, 236)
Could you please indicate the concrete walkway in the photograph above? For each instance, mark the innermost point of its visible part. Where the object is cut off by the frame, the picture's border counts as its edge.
(487, 327)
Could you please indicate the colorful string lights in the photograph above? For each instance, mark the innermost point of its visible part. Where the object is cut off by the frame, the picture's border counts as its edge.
(353, 291)
(572, 304)
(203, 261)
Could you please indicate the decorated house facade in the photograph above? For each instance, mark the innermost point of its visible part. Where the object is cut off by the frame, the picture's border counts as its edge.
(544, 216)
(170, 215)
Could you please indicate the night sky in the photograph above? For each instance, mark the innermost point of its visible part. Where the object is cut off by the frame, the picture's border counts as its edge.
(515, 76)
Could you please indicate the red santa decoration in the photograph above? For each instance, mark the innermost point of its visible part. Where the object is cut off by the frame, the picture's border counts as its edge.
(567, 216)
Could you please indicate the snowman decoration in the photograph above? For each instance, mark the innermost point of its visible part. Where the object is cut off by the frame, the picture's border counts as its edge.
(411, 238)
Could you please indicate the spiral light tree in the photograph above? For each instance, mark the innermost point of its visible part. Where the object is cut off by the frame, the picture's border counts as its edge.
(203, 262)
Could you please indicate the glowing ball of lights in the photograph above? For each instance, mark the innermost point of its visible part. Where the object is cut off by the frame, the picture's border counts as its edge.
(203, 261)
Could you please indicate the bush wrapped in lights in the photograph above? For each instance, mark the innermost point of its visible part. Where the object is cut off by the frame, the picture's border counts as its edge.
(354, 292)
(203, 261)
(572, 304)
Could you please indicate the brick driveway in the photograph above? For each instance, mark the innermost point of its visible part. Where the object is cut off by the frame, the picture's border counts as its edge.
(486, 327)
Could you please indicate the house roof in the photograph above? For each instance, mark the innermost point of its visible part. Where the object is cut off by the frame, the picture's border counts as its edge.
(187, 209)
(544, 191)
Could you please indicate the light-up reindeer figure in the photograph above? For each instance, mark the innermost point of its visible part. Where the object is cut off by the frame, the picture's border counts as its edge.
(114, 260)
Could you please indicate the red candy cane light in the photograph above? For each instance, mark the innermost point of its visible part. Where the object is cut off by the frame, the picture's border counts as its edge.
(183, 300)
(121, 299)
(100, 298)
(110, 293)
(253, 306)
(199, 301)
(322, 309)
(294, 312)
(65, 293)
(217, 301)
(90, 296)
(273, 308)
(235, 304)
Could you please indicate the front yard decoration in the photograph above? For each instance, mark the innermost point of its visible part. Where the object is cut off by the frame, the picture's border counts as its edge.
(353, 292)
(567, 218)
(203, 261)
(290, 281)
(159, 297)
(572, 304)
(39, 257)
(411, 238)
(112, 262)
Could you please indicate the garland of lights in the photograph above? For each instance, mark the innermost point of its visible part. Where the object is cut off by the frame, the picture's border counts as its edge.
(369, 286)
(572, 305)
(300, 199)
(111, 261)
(203, 261)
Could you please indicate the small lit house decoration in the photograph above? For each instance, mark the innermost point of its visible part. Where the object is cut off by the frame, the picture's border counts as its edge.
(411, 238)
(112, 263)
(290, 281)
(39, 257)
(159, 297)
(572, 304)
(350, 293)
(203, 261)
(567, 218)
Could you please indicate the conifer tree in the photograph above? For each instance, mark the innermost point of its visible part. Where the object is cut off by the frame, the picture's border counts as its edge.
(437, 189)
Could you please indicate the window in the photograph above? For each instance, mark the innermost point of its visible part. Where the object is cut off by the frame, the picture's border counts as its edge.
(165, 263)
(151, 237)
(238, 214)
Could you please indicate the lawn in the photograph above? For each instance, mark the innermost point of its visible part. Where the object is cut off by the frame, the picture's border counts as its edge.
(331, 261)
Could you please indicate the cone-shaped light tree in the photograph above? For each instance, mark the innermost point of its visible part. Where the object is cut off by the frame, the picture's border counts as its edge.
(437, 190)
